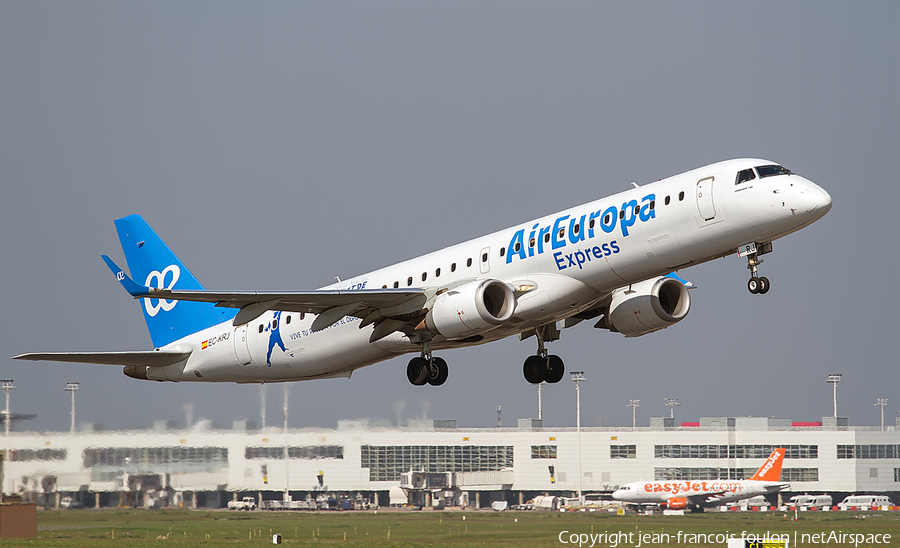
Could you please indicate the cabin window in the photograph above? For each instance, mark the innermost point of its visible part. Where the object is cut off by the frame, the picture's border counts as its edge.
(502, 251)
(518, 247)
(260, 328)
(288, 320)
(576, 228)
(424, 275)
(621, 214)
(652, 204)
(769, 171)
(409, 281)
(668, 199)
(531, 242)
(484, 257)
(274, 325)
(681, 196)
(607, 219)
(469, 262)
(453, 267)
(396, 285)
(547, 238)
(437, 272)
(637, 209)
(302, 315)
(591, 225)
(744, 175)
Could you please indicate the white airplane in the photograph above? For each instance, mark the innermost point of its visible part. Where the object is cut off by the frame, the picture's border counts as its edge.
(678, 494)
(612, 260)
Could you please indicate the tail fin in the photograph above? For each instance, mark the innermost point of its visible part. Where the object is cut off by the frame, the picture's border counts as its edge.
(153, 263)
(771, 469)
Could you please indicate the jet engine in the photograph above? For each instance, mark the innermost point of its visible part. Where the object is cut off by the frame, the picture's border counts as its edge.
(471, 308)
(648, 306)
(676, 503)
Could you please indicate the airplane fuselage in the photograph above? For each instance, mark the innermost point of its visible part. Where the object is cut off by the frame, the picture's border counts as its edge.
(568, 261)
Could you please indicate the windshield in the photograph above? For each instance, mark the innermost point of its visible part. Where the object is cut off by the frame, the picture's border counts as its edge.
(769, 171)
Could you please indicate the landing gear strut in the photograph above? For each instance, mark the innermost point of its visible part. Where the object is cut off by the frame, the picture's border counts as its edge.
(544, 367)
(757, 284)
(427, 369)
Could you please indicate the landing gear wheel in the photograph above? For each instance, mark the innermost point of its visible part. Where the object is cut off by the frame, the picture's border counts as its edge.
(437, 372)
(535, 369)
(417, 371)
(555, 369)
(763, 285)
(753, 285)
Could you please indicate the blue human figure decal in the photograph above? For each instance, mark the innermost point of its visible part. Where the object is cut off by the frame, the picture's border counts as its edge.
(274, 330)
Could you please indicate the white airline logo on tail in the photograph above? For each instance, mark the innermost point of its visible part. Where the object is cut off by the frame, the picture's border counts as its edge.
(158, 279)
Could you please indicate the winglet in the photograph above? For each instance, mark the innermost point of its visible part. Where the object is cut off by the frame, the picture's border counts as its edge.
(771, 469)
(133, 288)
(687, 284)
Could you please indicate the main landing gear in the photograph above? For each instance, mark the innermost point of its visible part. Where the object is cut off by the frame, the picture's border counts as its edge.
(757, 284)
(427, 369)
(543, 367)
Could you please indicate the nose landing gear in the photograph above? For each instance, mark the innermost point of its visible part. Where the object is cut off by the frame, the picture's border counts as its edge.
(757, 284)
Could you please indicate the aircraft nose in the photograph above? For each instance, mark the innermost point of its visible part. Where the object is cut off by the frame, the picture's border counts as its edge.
(817, 200)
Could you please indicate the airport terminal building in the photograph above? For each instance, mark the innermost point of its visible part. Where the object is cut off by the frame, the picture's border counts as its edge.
(207, 467)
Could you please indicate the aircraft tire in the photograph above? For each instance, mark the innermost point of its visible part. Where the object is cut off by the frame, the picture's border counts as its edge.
(764, 285)
(535, 369)
(753, 285)
(417, 371)
(438, 372)
(555, 369)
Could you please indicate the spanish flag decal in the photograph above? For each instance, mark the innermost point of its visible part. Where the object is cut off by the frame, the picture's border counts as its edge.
(204, 345)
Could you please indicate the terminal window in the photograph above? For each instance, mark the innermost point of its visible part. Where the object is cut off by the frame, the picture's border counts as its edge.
(143, 459)
(309, 452)
(22, 455)
(732, 451)
(868, 451)
(543, 451)
(387, 462)
(712, 473)
(622, 451)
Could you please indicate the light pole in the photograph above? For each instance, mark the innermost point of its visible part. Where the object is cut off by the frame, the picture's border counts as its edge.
(287, 481)
(540, 408)
(7, 385)
(834, 379)
(881, 402)
(633, 404)
(672, 403)
(578, 378)
(72, 387)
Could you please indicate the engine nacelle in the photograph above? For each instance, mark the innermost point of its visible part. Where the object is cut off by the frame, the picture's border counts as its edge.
(471, 308)
(676, 503)
(648, 306)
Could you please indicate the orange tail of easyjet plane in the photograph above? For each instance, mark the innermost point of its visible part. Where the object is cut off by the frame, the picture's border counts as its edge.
(771, 469)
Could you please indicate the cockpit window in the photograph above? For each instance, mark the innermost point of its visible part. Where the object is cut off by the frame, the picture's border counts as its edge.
(744, 175)
(770, 171)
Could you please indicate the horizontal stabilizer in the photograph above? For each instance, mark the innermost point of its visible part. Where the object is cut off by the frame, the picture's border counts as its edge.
(151, 358)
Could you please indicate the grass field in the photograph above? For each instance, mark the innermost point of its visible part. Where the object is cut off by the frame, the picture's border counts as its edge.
(427, 528)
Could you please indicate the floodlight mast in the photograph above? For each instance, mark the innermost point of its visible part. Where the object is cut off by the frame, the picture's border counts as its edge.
(671, 403)
(578, 377)
(881, 402)
(633, 404)
(834, 379)
(72, 387)
(7, 385)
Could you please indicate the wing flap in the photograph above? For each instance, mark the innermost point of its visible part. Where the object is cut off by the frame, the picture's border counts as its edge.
(150, 358)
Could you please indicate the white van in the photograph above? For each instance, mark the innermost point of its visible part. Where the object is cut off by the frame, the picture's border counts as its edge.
(864, 501)
(811, 501)
(758, 501)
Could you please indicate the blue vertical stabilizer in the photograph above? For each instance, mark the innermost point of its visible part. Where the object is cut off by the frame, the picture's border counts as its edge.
(152, 263)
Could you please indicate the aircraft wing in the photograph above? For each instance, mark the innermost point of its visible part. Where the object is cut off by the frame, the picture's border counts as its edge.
(152, 358)
(706, 499)
(330, 305)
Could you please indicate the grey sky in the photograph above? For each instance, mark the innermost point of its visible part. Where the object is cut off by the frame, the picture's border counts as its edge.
(276, 145)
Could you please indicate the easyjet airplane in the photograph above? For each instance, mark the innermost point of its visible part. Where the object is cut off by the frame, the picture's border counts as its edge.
(677, 494)
(611, 261)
